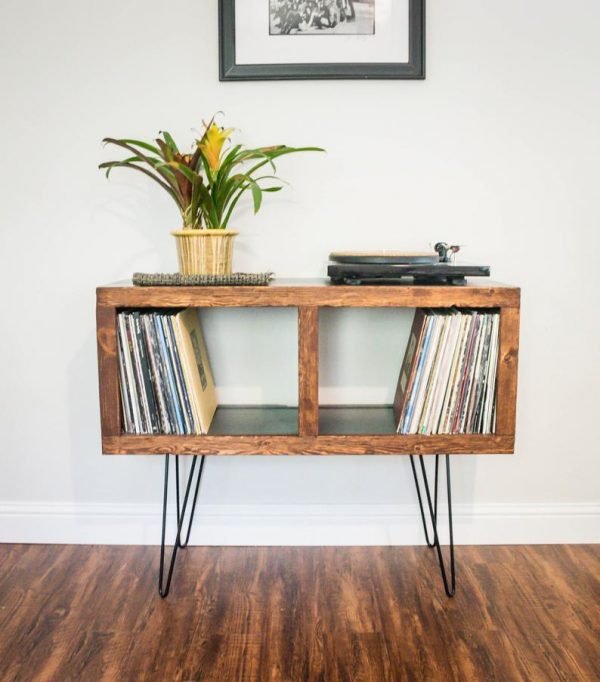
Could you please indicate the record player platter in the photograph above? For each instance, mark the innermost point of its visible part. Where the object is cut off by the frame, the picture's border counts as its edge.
(384, 257)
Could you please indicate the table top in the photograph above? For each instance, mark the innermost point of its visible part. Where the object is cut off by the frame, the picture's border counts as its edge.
(282, 292)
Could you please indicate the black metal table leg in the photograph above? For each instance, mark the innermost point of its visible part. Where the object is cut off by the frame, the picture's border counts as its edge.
(163, 589)
(184, 544)
(449, 586)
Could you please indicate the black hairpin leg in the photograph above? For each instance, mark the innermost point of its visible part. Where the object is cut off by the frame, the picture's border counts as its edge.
(434, 540)
(180, 543)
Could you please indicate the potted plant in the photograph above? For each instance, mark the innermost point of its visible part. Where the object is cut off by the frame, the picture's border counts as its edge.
(206, 184)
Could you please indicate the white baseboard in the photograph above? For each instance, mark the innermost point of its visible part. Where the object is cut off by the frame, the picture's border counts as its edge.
(129, 524)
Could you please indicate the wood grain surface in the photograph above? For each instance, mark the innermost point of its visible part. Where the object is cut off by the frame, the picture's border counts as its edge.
(308, 371)
(108, 371)
(297, 293)
(508, 359)
(394, 444)
(299, 614)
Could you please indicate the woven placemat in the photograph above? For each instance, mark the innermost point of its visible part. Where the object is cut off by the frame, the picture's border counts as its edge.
(159, 279)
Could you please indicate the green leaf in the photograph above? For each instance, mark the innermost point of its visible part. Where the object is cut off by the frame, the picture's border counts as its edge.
(207, 205)
(234, 200)
(270, 177)
(282, 149)
(230, 157)
(153, 163)
(232, 206)
(196, 203)
(264, 162)
(109, 165)
(185, 171)
(256, 195)
(131, 159)
(166, 151)
(276, 152)
(136, 143)
(170, 141)
(207, 169)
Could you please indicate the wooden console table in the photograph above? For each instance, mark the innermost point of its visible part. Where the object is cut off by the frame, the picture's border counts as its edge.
(309, 429)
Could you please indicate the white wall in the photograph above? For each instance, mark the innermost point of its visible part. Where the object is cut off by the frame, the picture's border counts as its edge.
(497, 149)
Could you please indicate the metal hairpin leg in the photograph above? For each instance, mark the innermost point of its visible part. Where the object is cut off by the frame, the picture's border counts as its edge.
(450, 588)
(163, 589)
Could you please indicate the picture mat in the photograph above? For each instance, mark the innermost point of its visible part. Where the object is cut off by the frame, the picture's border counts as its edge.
(254, 44)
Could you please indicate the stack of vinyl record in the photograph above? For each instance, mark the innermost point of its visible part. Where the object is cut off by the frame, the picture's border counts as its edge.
(165, 378)
(447, 383)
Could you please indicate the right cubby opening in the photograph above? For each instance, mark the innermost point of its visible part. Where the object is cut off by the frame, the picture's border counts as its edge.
(408, 371)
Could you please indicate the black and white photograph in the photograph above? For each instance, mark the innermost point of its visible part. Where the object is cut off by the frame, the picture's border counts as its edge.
(321, 17)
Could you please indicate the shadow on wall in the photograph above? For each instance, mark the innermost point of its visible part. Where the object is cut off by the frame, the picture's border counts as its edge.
(137, 222)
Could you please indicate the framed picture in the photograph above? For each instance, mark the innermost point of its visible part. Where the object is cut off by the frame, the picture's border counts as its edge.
(310, 39)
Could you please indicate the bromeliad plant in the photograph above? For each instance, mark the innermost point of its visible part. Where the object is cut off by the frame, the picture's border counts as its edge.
(208, 182)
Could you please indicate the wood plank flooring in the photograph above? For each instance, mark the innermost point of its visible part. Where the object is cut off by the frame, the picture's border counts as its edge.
(299, 614)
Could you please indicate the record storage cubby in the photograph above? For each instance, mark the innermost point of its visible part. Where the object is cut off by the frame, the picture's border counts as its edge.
(308, 428)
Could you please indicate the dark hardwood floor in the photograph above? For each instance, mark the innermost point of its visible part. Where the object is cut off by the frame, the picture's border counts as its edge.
(93, 613)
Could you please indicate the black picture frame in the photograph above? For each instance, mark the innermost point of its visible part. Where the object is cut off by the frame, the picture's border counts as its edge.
(230, 70)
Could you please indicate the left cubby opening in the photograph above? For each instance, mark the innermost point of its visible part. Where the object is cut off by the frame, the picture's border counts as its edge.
(208, 371)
